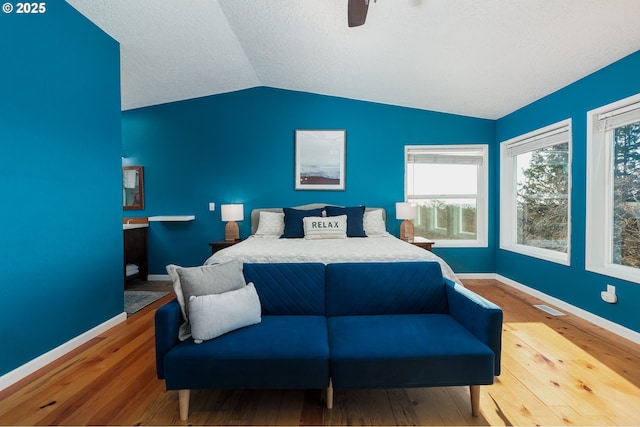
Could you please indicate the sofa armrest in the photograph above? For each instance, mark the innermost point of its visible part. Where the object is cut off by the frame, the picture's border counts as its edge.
(478, 315)
(167, 323)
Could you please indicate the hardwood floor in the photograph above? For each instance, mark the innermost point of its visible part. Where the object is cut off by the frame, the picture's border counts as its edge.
(555, 371)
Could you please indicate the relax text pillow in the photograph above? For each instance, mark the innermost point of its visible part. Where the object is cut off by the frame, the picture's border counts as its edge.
(316, 227)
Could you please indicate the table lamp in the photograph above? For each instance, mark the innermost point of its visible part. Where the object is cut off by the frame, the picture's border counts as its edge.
(406, 212)
(232, 213)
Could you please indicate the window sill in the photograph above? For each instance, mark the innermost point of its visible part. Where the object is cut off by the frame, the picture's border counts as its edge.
(543, 254)
(459, 244)
(618, 271)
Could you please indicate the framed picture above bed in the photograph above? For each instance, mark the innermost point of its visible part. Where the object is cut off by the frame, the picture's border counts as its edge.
(320, 159)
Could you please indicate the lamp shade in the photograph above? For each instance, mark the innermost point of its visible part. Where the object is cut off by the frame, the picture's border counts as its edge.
(406, 211)
(233, 212)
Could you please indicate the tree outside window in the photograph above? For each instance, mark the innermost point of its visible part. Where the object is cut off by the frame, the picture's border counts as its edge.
(612, 244)
(626, 195)
(543, 198)
(535, 202)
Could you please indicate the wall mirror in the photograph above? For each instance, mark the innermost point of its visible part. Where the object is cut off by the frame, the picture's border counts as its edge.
(132, 188)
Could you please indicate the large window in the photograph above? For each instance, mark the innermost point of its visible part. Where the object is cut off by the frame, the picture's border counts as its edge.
(613, 190)
(449, 185)
(535, 193)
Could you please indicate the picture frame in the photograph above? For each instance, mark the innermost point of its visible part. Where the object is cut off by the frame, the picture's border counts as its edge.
(320, 159)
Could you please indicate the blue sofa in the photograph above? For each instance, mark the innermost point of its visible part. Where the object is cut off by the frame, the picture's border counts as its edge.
(342, 326)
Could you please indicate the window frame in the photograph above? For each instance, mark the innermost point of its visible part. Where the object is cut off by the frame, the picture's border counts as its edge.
(509, 194)
(599, 201)
(481, 196)
(436, 222)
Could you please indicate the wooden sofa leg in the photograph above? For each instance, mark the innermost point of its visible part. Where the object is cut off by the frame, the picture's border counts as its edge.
(183, 402)
(475, 400)
(330, 395)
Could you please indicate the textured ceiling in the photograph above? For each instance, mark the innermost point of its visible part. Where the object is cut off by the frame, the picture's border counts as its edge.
(482, 58)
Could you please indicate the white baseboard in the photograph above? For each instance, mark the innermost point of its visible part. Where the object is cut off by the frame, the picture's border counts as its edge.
(39, 362)
(158, 277)
(610, 326)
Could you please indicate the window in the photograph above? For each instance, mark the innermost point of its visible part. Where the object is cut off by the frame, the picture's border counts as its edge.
(613, 190)
(535, 193)
(449, 185)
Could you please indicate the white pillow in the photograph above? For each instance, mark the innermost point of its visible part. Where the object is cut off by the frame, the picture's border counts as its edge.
(217, 314)
(203, 280)
(333, 227)
(270, 224)
(374, 223)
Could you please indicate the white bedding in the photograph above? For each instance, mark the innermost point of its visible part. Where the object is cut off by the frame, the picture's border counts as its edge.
(385, 248)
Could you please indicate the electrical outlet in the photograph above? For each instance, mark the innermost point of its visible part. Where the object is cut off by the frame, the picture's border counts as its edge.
(212, 206)
(609, 295)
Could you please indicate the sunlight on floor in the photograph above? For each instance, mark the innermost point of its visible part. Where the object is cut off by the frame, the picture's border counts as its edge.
(547, 379)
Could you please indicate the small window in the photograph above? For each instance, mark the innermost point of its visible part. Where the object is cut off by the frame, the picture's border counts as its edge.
(613, 190)
(449, 185)
(535, 193)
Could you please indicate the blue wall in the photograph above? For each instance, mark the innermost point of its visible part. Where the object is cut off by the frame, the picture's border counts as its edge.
(573, 283)
(239, 147)
(60, 181)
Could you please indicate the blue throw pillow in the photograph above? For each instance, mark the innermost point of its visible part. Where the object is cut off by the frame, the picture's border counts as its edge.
(355, 216)
(293, 224)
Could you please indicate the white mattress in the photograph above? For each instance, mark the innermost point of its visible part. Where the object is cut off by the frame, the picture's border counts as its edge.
(386, 248)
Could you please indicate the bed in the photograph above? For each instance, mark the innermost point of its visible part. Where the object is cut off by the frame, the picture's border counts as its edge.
(265, 245)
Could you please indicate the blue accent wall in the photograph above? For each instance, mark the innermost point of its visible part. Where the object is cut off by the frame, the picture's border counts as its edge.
(239, 148)
(60, 181)
(573, 283)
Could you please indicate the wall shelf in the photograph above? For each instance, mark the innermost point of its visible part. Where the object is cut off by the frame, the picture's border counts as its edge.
(172, 218)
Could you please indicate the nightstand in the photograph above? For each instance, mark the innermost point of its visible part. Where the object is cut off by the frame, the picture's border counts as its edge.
(423, 243)
(221, 244)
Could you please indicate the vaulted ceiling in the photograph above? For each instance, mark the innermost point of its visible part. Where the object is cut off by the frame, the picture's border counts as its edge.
(482, 58)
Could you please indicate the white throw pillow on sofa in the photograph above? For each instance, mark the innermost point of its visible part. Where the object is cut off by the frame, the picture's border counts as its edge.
(203, 280)
(217, 314)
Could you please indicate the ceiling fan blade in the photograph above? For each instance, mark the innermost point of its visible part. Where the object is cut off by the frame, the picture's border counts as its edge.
(357, 12)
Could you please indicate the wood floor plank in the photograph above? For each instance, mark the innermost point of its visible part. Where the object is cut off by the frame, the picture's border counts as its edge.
(362, 407)
(95, 394)
(594, 388)
(163, 410)
(556, 370)
(118, 413)
(55, 394)
(520, 358)
(461, 396)
(338, 416)
(237, 410)
(313, 408)
(518, 405)
(134, 377)
(447, 408)
(573, 359)
(426, 406)
(267, 409)
(291, 408)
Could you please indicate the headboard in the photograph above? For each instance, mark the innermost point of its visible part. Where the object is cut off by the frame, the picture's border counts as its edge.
(255, 213)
